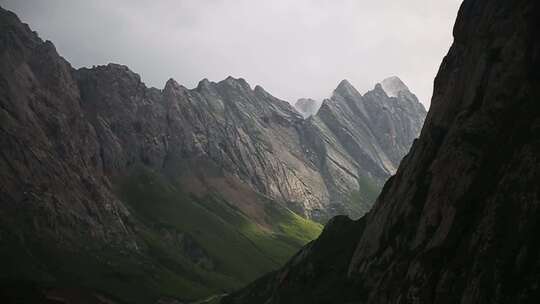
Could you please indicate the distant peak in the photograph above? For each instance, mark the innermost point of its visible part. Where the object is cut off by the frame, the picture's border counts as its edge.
(172, 85)
(113, 65)
(344, 85)
(345, 88)
(393, 85)
(204, 84)
(260, 90)
(379, 89)
(234, 82)
(115, 70)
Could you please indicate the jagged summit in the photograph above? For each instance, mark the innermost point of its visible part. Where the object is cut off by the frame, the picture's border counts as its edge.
(172, 86)
(262, 92)
(458, 223)
(235, 82)
(259, 88)
(204, 82)
(95, 159)
(114, 68)
(393, 86)
(171, 83)
(345, 88)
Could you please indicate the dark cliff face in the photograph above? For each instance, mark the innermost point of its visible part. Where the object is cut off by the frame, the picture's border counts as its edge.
(50, 152)
(458, 223)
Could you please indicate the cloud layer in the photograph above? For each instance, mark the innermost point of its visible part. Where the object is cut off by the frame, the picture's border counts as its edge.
(294, 49)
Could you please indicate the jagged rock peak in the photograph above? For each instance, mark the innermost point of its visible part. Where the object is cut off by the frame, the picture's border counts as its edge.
(117, 66)
(204, 84)
(171, 84)
(118, 70)
(345, 87)
(235, 83)
(393, 86)
(458, 223)
(12, 26)
(173, 88)
(261, 91)
(378, 90)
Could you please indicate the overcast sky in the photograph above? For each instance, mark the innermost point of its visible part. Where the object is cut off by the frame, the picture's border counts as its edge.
(293, 49)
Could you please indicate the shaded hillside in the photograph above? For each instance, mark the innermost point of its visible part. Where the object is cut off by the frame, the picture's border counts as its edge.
(459, 222)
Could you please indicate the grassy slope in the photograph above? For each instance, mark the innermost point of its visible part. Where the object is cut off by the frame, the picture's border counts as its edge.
(361, 200)
(240, 250)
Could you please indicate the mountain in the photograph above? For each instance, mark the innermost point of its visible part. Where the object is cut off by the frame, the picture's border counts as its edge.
(115, 188)
(393, 86)
(111, 189)
(307, 106)
(458, 222)
(364, 138)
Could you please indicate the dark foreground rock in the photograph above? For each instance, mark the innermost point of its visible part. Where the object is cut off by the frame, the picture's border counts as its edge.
(459, 222)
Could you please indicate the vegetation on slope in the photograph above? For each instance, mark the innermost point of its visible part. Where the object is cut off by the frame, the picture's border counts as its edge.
(188, 247)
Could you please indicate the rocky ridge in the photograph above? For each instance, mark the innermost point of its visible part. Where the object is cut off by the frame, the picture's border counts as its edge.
(458, 223)
(137, 181)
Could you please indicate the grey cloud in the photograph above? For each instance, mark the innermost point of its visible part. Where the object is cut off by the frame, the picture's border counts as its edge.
(294, 49)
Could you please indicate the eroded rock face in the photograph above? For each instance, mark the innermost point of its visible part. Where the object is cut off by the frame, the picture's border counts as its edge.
(364, 138)
(393, 86)
(310, 166)
(458, 223)
(51, 173)
(76, 142)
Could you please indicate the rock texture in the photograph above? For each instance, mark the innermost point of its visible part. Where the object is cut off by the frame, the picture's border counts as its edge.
(364, 138)
(248, 133)
(393, 86)
(137, 181)
(128, 186)
(458, 223)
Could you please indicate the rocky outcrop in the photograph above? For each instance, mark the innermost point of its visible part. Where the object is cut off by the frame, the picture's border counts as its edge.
(51, 176)
(364, 138)
(393, 86)
(458, 223)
